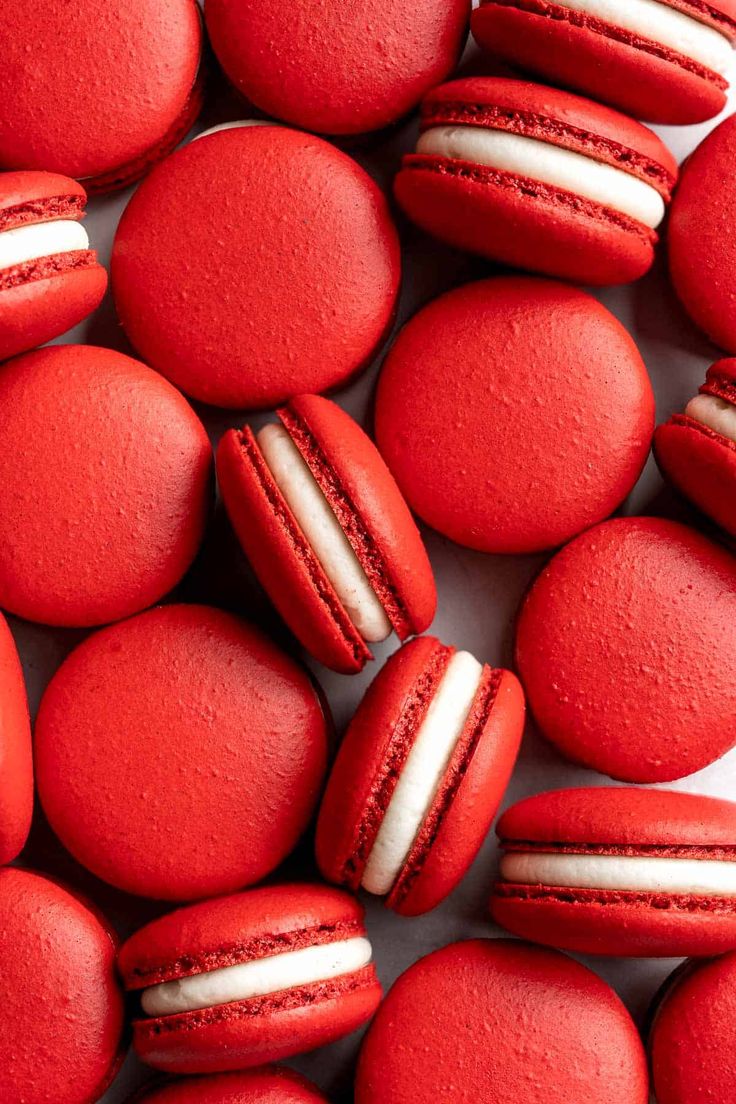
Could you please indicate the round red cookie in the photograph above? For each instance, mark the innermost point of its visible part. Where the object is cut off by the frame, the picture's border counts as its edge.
(696, 450)
(16, 782)
(50, 279)
(691, 1041)
(180, 754)
(538, 179)
(326, 529)
(105, 486)
(621, 647)
(269, 1085)
(61, 1011)
(98, 90)
(619, 871)
(701, 237)
(667, 62)
(419, 775)
(344, 69)
(500, 1021)
(251, 978)
(514, 413)
(255, 264)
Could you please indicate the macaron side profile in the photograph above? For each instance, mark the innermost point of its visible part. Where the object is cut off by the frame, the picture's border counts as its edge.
(419, 775)
(16, 773)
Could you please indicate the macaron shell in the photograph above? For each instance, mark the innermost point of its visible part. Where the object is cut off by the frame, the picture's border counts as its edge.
(270, 1085)
(701, 464)
(16, 767)
(62, 1011)
(660, 704)
(17, 189)
(34, 312)
(355, 69)
(702, 243)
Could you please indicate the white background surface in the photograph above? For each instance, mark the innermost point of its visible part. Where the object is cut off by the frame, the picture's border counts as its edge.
(478, 597)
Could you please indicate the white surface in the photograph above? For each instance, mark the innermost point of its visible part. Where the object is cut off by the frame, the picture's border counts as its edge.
(715, 413)
(650, 874)
(41, 239)
(478, 599)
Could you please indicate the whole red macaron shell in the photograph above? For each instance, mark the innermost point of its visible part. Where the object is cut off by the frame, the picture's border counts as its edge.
(691, 1040)
(105, 486)
(180, 754)
(500, 1021)
(514, 412)
(620, 647)
(16, 787)
(264, 922)
(521, 221)
(352, 69)
(270, 1085)
(112, 88)
(630, 823)
(366, 501)
(61, 1017)
(42, 298)
(255, 264)
(581, 50)
(697, 460)
(701, 239)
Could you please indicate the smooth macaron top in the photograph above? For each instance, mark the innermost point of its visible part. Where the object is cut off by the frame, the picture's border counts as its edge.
(27, 196)
(545, 418)
(16, 784)
(354, 68)
(62, 1011)
(452, 1023)
(105, 485)
(255, 264)
(108, 86)
(180, 754)
(269, 1085)
(627, 676)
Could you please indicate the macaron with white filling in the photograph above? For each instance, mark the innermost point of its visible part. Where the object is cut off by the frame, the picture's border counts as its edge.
(50, 278)
(696, 450)
(620, 871)
(419, 775)
(539, 179)
(667, 61)
(327, 531)
(251, 978)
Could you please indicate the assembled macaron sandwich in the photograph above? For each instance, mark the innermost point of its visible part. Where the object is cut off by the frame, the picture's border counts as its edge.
(419, 775)
(50, 279)
(238, 981)
(620, 871)
(327, 531)
(538, 179)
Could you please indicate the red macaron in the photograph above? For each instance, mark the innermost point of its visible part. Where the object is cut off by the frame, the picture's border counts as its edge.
(270, 1085)
(494, 1020)
(61, 1010)
(419, 775)
(251, 978)
(105, 485)
(50, 279)
(691, 1039)
(538, 179)
(98, 91)
(255, 264)
(16, 788)
(339, 69)
(622, 646)
(490, 413)
(701, 237)
(696, 450)
(620, 871)
(327, 531)
(667, 62)
(180, 754)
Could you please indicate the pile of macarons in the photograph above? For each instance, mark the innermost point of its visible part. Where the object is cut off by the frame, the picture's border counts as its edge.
(193, 853)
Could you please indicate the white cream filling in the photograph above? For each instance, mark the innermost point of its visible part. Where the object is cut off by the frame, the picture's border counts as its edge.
(550, 164)
(709, 877)
(41, 239)
(235, 125)
(257, 978)
(324, 533)
(664, 25)
(423, 772)
(717, 414)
